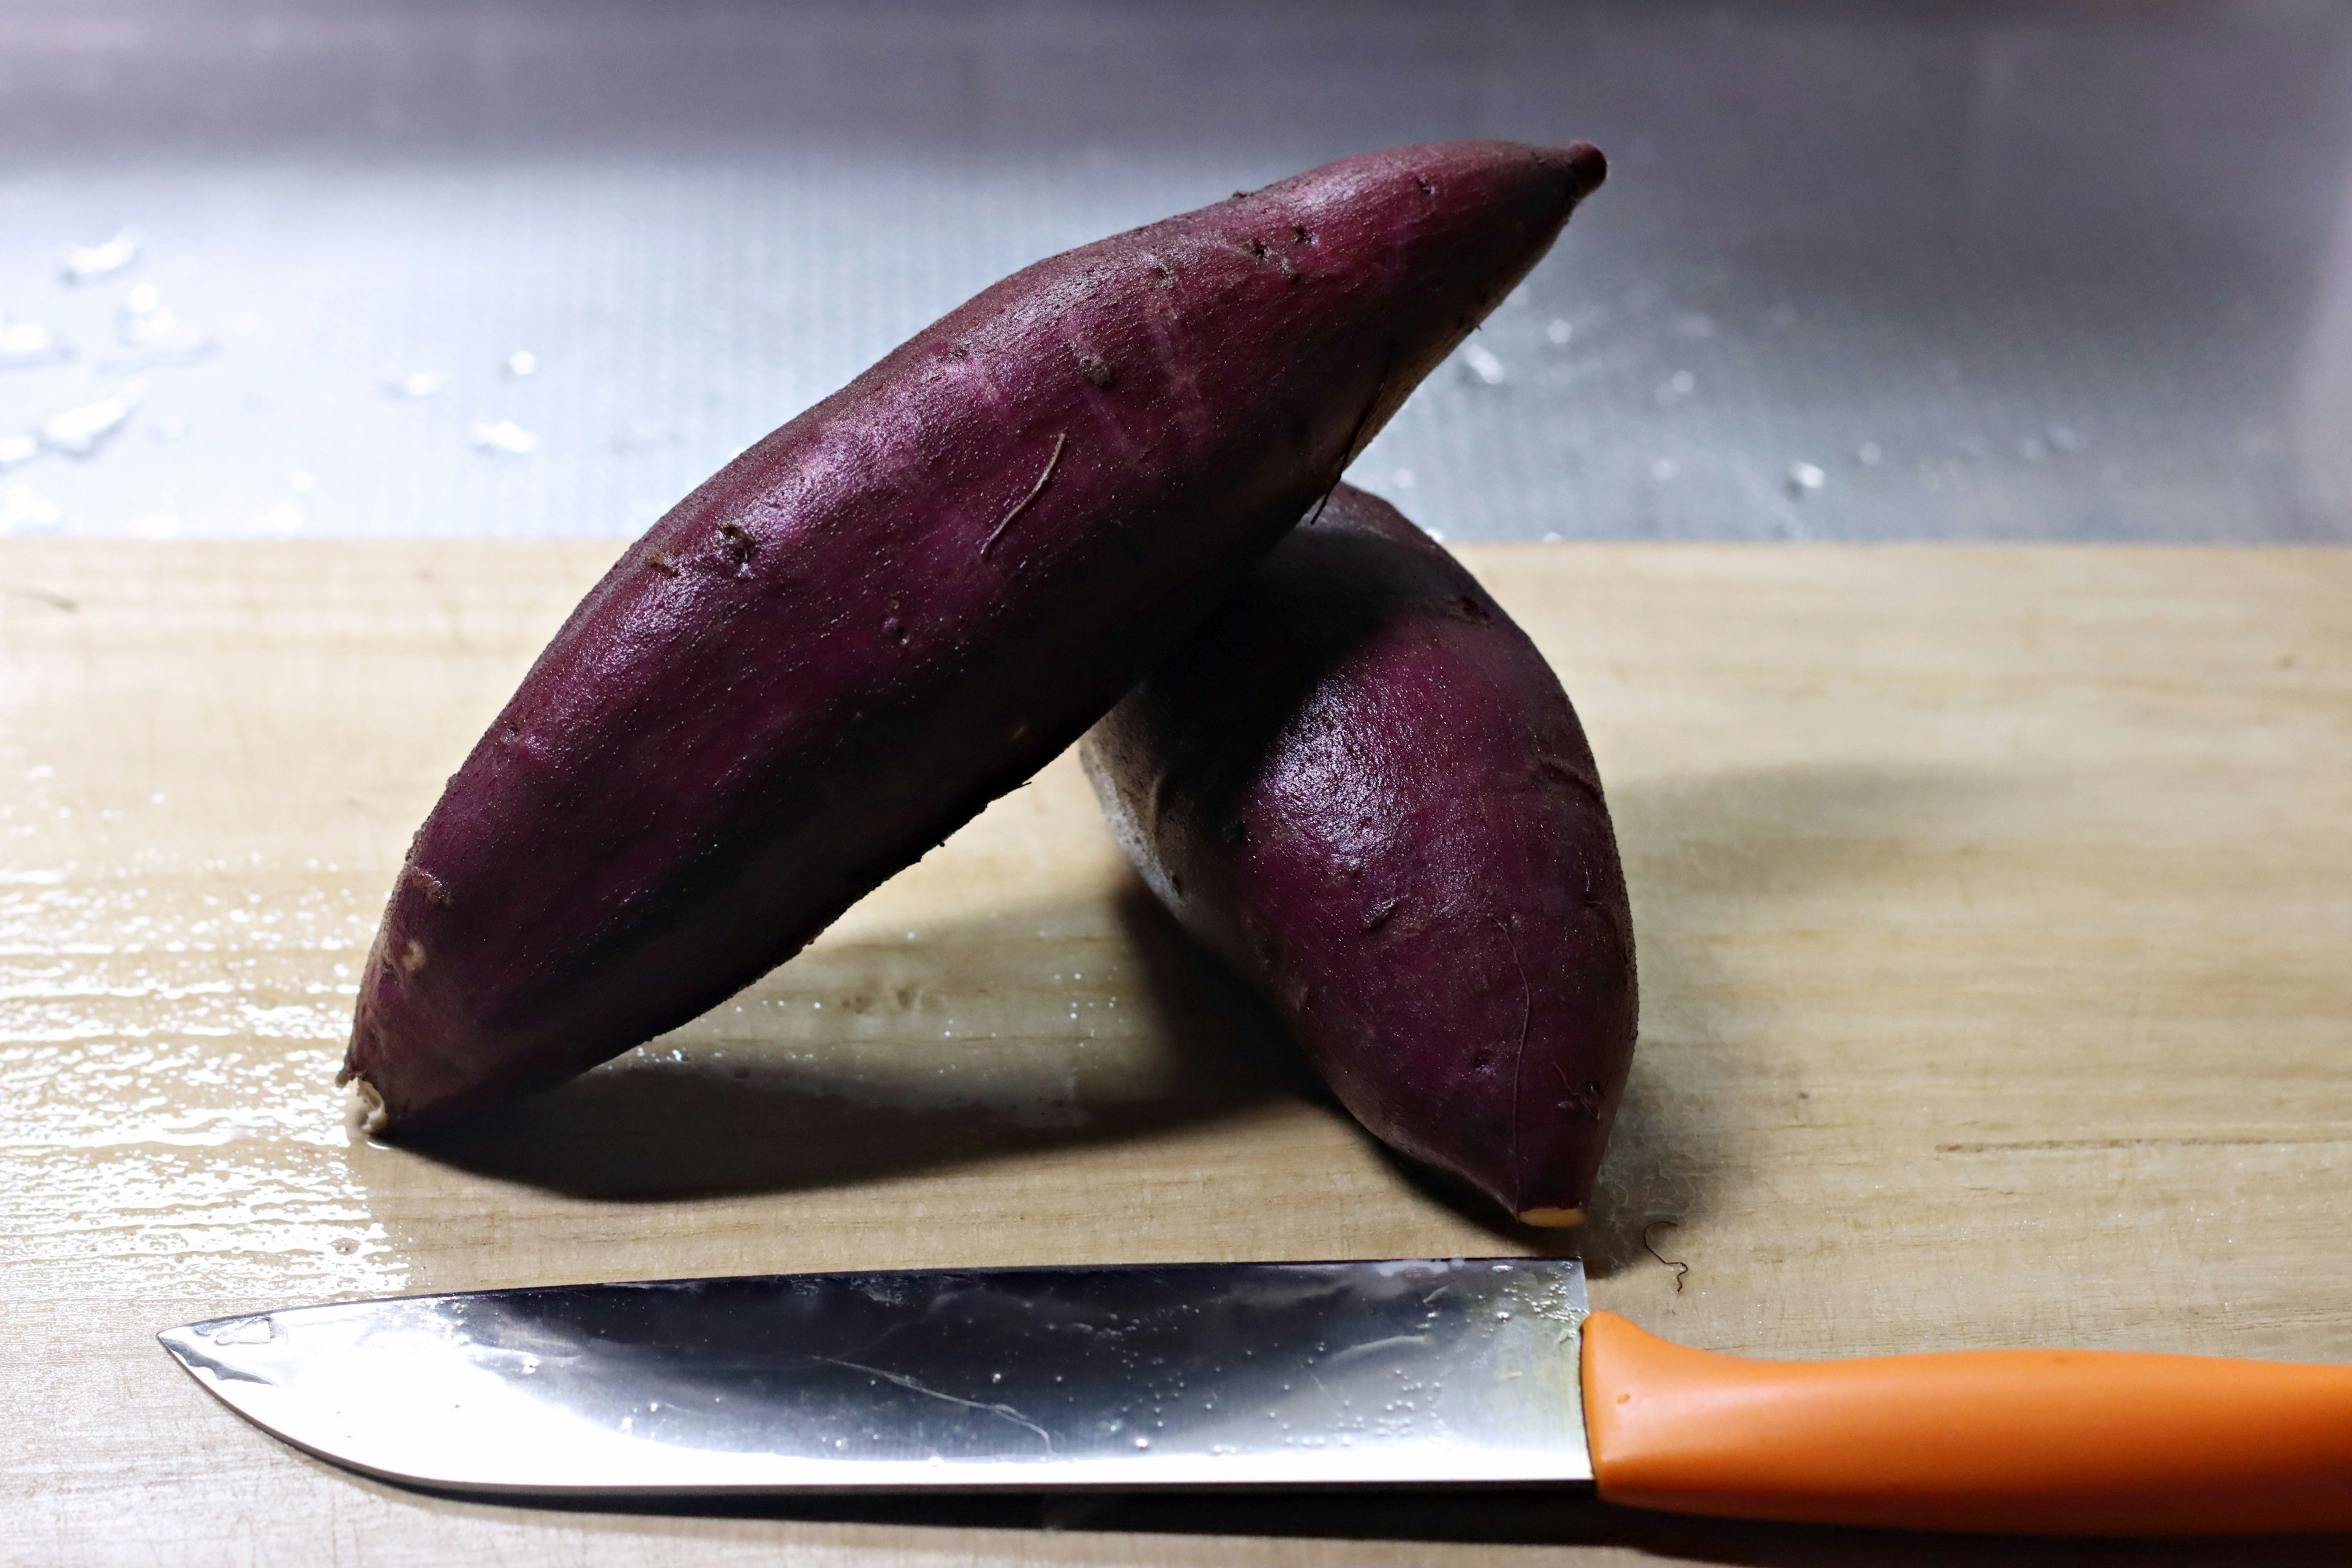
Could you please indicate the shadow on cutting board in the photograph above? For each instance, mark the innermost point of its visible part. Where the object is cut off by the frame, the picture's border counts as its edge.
(1093, 1021)
(1040, 1027)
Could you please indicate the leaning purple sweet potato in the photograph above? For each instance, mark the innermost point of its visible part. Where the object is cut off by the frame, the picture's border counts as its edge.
(904, 600)
(1362, 787)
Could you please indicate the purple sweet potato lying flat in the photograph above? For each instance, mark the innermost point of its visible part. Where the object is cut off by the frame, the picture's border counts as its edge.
(1360, 785)
(904, 600)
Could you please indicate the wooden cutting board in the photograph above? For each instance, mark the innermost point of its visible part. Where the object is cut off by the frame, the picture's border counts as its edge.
(1995, 913)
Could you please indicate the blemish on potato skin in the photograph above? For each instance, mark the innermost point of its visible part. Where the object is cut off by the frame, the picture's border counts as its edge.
(436, 892)
(1585, 1101)
(411, 957)
(1097, 370)
(661, 561)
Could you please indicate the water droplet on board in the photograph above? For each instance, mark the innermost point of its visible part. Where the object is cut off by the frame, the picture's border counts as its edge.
(1484, 364)
(1560, 332)
(144, 322)
(416, 383)
(80, 432)
(1804, 478)
(520, 363)
(21, 509)
(506, 438)
(24, 344)
(81, 263)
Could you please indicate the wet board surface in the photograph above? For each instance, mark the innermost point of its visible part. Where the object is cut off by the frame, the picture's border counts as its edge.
(1992, 902)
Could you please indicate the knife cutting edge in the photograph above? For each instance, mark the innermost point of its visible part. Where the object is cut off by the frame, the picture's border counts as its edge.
(1407, 1372)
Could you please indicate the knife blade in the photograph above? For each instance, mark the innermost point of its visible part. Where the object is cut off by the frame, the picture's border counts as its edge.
(1408, 1372)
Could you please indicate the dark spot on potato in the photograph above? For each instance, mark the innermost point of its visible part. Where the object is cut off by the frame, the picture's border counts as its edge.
(1378, 916)
(660, 561)
(1299, 232)
(896, 630)
(1239, 194)
(959, 350)
(436, 892)
(738, 545)
(1466, 608)
(1255, 247)
(1097, 370)
(1425, 188)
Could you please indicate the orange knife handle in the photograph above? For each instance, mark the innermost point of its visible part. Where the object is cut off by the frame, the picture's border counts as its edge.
(2044, 1442)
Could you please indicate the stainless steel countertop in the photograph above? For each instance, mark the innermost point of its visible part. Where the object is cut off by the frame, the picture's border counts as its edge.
(1927, 270)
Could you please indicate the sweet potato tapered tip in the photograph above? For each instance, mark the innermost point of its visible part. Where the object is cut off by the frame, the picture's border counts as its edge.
(1586, 168)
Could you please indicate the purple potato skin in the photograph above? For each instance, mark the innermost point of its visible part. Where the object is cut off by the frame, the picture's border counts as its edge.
(906, 600)
(1361, 787)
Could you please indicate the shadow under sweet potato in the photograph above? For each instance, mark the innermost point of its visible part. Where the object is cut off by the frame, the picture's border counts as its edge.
(871, 1058)
(1058, 1026)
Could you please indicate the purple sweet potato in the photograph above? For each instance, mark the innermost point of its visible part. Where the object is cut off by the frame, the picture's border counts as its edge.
(904, 600)
(1360, 785)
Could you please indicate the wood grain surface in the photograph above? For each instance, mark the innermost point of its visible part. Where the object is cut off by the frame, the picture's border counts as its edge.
(1994, 908)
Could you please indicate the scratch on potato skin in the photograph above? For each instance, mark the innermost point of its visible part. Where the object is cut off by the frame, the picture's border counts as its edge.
(1022, 504)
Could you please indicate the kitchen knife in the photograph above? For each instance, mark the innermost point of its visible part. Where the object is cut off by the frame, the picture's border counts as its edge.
(1485, 1371)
